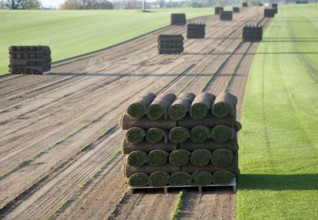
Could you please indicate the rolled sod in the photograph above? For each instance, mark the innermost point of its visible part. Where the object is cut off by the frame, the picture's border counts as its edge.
(208, 121)
(223, 133)
(137, 158)
(179, 135)
(201, 105)
(222, 157)
(135, 135)
(211, 145)
(237, 126)
(180, 106)
(159, 107)
(200, 157)
(158, 178)
(200, 134)
(158, 157)
(179, 178)
(148, 169)
(127, 122)
(222, 177)
(138, 179)
(202, 178)
(224, 105)
(146, 147)
(155, 135)
(139, 106)
(179, 157)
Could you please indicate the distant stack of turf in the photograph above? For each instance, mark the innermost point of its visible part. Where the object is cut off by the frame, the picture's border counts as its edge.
(196, 31)
(184, 140)
(269, 12)
(178, 19)
(170, 44)
(245, 4)
(236, 9)
(226, 15)
(29, 59)
(252, 33)
(218, 10)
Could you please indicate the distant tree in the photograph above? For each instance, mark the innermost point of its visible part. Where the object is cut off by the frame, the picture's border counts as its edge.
(87, 4)
(221, 2)
(20, 4)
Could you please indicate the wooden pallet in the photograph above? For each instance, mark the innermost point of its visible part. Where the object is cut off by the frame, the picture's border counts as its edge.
(166, 188)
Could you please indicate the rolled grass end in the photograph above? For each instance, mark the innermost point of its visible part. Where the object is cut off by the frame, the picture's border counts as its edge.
(179, 135)
(222, 133)
(198, 111)
(200, 134)
(138, 180)
(202, 178)
(158, 157)
(179, 157)
(135, 135)
(179, 178)
(158, 178)
(200, 157)
(222, 157)
(137, 158)
(222, 177)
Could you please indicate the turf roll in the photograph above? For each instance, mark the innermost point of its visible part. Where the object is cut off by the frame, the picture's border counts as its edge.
(148, 169)
(224, 105)
(179, 157)
(222, 133)
(135, 135)
(180, 106)
(222, 177)
(137, 158)
(138, 179)
(139, 106)
(127, 122)
(211, 145)
(159, 107)
(208, 121)
(200, 133)
(158, 178)
(179, 178)
(200, 157)
(179, 135)
(201, 105)
(155, 135)
(201, 178)
(237, 126)
(158, 157)
(222, 157)
(146, 147)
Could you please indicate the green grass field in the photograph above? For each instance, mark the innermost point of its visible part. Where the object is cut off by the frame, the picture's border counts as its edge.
(279, 142)
(71, 33)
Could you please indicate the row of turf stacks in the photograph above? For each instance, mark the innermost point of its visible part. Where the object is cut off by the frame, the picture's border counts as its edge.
(236, 9)
(269, 12)
(196, 31)
(184, 140)
(226, 16)
(178, 19)
(29, 59)
(170, 44)
(218, 10)
(252, 33)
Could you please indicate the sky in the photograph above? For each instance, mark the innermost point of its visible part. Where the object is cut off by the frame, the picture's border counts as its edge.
(52, 3)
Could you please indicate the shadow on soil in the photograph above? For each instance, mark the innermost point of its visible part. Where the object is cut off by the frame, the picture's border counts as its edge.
(278, 182)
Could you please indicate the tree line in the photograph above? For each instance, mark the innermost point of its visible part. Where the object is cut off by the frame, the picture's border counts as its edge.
(68, 4)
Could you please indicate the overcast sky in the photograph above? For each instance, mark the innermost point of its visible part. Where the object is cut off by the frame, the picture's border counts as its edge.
(50, 3)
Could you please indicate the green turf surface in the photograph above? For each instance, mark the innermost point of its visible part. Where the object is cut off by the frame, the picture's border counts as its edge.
(71, 33)
(279, 139)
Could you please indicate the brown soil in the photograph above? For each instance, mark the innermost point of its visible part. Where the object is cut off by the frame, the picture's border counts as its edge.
(59, 137)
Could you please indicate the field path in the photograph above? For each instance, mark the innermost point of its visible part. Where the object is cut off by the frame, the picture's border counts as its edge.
(59, 139)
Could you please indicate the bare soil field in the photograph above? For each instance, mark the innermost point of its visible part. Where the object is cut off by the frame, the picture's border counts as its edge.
(59, 140)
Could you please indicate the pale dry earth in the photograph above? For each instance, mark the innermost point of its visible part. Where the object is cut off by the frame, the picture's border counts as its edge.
(59, 140)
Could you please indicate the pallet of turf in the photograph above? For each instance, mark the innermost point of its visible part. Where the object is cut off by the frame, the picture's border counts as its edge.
(29, 59)
(218, 10)
(226, 16)
(236, 9)
(178, 19)
(196, 31)
(244, 4)
(170, 44)
(252, 33)
(269, 12)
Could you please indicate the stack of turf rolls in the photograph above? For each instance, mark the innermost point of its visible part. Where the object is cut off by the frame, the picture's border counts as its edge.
(180, 140)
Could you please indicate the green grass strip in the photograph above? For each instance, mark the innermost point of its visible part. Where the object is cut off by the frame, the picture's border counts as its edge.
(178, 206)
(279, 141)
